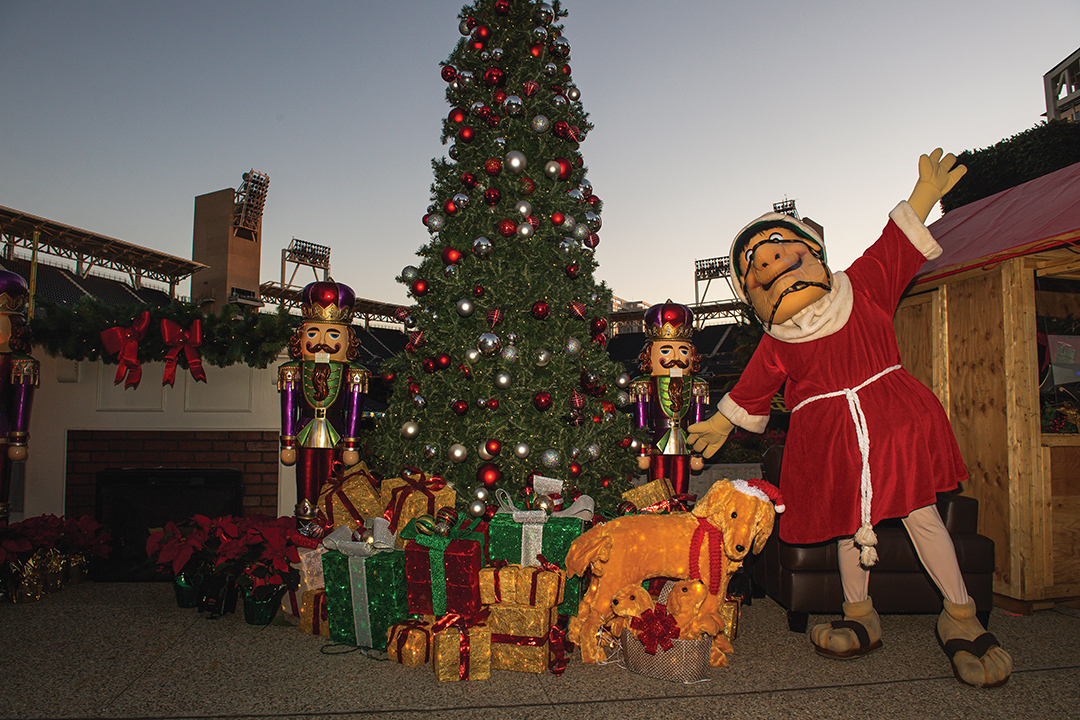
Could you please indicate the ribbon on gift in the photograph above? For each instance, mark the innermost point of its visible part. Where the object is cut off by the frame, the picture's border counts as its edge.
(342, 539)
(678, 503)
(319, 613)
(498, 566)
(548, 566)
(556, 636)
(335, 488)
(532, 521)
(124, 343)
(415, 481)
(180, 340)
(463, 624)
(436, 545)
(655, 629)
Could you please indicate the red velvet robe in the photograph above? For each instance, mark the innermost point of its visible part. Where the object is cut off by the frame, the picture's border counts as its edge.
(912, 449)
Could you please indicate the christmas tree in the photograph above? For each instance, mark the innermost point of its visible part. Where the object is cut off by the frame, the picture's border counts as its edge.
(506, 375)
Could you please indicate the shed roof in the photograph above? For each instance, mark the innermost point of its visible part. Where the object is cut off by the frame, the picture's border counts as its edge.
(1037, 215)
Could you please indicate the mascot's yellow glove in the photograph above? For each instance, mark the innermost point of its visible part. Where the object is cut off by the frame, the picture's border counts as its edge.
(936, 177)
(709, 436)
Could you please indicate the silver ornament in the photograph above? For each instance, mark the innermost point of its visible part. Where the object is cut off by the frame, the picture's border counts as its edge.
(541, 124)
(419, 401)
(461, 200)
(497, 54)
(488, 343)
(568, 245)
(524, 207)
(472, 355)
(551, 69)
(409, 321)
(477, 508)
(465, 307)
(635, 445)
(545, 503)
(593, 220)
(540, 34)
(581, 231)
(450, 270)
(513, 105)
(512, 338)
(568, 223)
(500, 143)
(622, 381)
(502, 380)
(576, 195)
(482, 246)
(573, 346)
(410, 430)
(481, 403)
(593, 451)
(409, 273)
(521, 450)
(435, 222)
(573, 93)
(430, 451)
(552, 169)
(515, 162)
(465, 78)
(543, 357)
(477, 107)
(622, 398)
(463, 27)
(586, 187)
(510, 353)
(525, 231)
(457, 453)
(481, 450)
(560, 101)
(561, 46)
(550, 459)
(454, 153)
(480, 493)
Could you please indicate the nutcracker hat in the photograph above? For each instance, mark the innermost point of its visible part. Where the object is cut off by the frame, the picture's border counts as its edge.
(769, 221)
(328, 301)
(13, 293)
(669, 321)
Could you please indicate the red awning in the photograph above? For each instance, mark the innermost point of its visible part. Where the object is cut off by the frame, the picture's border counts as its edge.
(1037, 215)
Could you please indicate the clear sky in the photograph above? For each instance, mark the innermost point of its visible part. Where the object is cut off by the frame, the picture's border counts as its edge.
(115, 114)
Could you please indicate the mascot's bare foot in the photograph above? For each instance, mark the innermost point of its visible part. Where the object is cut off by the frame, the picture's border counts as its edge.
(858, 634)
(976, 657)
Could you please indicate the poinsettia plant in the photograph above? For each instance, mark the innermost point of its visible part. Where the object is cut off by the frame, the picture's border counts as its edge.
(274, 570)
(86, 536)
(200, 544)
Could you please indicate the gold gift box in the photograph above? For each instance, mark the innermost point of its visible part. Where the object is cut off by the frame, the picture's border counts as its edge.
(448, 656)
(524, 585)
(730, 611)
(650, 493)
(356, 485)
(513, 623)
(313, 617)
(409, 642)
(408, 503)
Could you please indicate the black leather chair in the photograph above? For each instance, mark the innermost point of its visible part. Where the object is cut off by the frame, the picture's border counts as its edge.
(805, 579)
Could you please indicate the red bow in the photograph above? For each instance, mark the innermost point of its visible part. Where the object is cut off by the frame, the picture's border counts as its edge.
(177, 339)
(655, 628)
(124, 342)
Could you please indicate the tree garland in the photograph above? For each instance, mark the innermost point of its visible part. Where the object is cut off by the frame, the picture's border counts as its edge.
(230, 337)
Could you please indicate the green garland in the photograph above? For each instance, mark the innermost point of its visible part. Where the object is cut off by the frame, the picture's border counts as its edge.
(230, 337)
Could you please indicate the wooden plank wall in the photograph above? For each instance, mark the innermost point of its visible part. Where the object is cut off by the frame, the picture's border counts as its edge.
(1065, 527)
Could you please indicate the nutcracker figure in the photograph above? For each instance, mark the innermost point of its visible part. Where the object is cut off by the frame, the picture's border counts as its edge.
(322, 393)
(666, 400)
(18, 378)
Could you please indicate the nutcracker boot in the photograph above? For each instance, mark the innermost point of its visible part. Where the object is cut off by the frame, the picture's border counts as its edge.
(977, 658)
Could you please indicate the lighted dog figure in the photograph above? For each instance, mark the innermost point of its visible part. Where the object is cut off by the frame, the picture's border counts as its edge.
(708, 543)
(629, 603)
(684, 602)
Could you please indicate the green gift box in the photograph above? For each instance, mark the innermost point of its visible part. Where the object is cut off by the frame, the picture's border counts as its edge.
(364, 596)
(519, 542)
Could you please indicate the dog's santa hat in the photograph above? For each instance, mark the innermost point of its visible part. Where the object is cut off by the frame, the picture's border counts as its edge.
(763, 490)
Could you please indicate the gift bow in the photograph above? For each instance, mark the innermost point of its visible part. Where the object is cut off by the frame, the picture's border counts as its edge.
(124, 343)
(422, 483)
(655, 629)
(341, 539)
(177, 339)
(335, 488)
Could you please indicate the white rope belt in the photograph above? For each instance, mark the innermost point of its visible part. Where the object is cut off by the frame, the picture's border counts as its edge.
(865, 537)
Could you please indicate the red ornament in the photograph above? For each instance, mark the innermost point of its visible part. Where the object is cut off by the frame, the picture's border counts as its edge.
(420, 286)
(542, 401)
(465, 370)
(591, 241)
(575, 469)
(565, 69)
(448, 72)
(541, 310)
(597, 325)
(492, 404)
(507, 227)
(499, 96)
(593, 200)
(565, 168)
(492, 196)
(532, 220)
(414, 388)
(478, 291)
(489, 474)
(401, 313)
(466, 134)
(476, 45)
(416, 339)
(493, 447)
(495, 316)
(572, 270)
(442, 361)
(558, 218)
(529, 187)
(449, 207)
(577, 400)
(457, 115)
(605, 482)
(481, 32)
(493, 166)
(577, 308)
(536, 50)
(502, 6)
(494, 77)
(468, 180)
(429, 365)
(389, 376)
(626, 442)
(451, 255)
(460, 407)
(529, 87)
(561, 129)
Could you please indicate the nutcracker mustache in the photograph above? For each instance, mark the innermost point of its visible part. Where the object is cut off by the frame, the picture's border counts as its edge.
(674, 362)
(323, 347)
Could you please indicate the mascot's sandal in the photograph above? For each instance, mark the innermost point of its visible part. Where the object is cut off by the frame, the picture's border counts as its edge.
(858, 634)
(976, 657)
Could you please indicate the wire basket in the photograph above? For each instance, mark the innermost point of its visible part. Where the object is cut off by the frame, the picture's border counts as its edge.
(686, 662)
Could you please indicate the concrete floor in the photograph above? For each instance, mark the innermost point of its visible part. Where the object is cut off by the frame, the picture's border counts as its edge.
(111, 650)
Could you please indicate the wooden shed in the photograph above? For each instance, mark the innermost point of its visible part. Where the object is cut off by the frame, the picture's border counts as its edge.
(968, 328)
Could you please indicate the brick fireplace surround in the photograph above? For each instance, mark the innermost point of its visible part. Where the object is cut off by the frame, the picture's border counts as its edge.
(253, 452)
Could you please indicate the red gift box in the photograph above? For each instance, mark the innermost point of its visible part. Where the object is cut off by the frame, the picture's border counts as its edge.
(460, 571)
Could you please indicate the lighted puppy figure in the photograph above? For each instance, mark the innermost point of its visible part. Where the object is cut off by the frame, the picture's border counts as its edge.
(708, 543)
(684, 601)
(630, 602)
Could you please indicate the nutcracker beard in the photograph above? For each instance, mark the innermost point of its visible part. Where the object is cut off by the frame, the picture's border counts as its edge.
(320, 377)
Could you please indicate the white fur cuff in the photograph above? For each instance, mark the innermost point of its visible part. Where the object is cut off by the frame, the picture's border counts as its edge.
(738, 416)
(909, 223)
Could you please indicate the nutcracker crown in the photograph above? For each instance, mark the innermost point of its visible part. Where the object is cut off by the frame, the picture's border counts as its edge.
(669, 321)
(13, 293)
(328, 302)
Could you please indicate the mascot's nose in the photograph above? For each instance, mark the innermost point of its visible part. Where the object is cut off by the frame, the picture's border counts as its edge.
(614, 601)
(739, 548)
